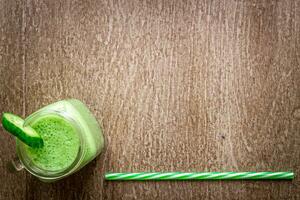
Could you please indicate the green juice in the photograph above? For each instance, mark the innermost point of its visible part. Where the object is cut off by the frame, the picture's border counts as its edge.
(72, 138)
(61, 144)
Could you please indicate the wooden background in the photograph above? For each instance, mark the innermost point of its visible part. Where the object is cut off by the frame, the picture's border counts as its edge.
(177, 86)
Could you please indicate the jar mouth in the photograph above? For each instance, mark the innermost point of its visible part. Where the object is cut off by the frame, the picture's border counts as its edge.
(52, 174)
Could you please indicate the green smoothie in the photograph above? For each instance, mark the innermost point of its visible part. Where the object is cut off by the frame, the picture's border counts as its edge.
(71, 138)
(61, 144)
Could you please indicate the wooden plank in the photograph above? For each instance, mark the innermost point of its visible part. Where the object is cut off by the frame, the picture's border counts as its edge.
(177, 86)
(224, 86)
(50, 36)
(13, 185)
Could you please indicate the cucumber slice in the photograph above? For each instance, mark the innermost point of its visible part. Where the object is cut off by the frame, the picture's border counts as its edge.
(14, 124)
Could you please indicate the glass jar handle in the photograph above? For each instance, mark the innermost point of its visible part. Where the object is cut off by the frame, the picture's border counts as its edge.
(15, 165)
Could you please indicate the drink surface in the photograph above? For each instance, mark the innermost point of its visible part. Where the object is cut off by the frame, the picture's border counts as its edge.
(61, 143)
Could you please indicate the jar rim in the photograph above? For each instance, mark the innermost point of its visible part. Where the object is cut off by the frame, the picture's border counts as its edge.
(48, 174)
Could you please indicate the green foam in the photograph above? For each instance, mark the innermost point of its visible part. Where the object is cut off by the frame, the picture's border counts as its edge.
(61, 143)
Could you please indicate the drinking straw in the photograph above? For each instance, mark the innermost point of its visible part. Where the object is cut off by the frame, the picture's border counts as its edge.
(159, 176)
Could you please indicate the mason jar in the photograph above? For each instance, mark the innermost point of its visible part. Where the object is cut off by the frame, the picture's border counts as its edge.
(72, 138)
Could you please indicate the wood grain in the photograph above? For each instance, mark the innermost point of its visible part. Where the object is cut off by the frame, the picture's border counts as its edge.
(12, 186)
(177, 86)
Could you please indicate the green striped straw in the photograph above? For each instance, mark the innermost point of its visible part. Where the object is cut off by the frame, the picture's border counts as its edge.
(159, 176)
